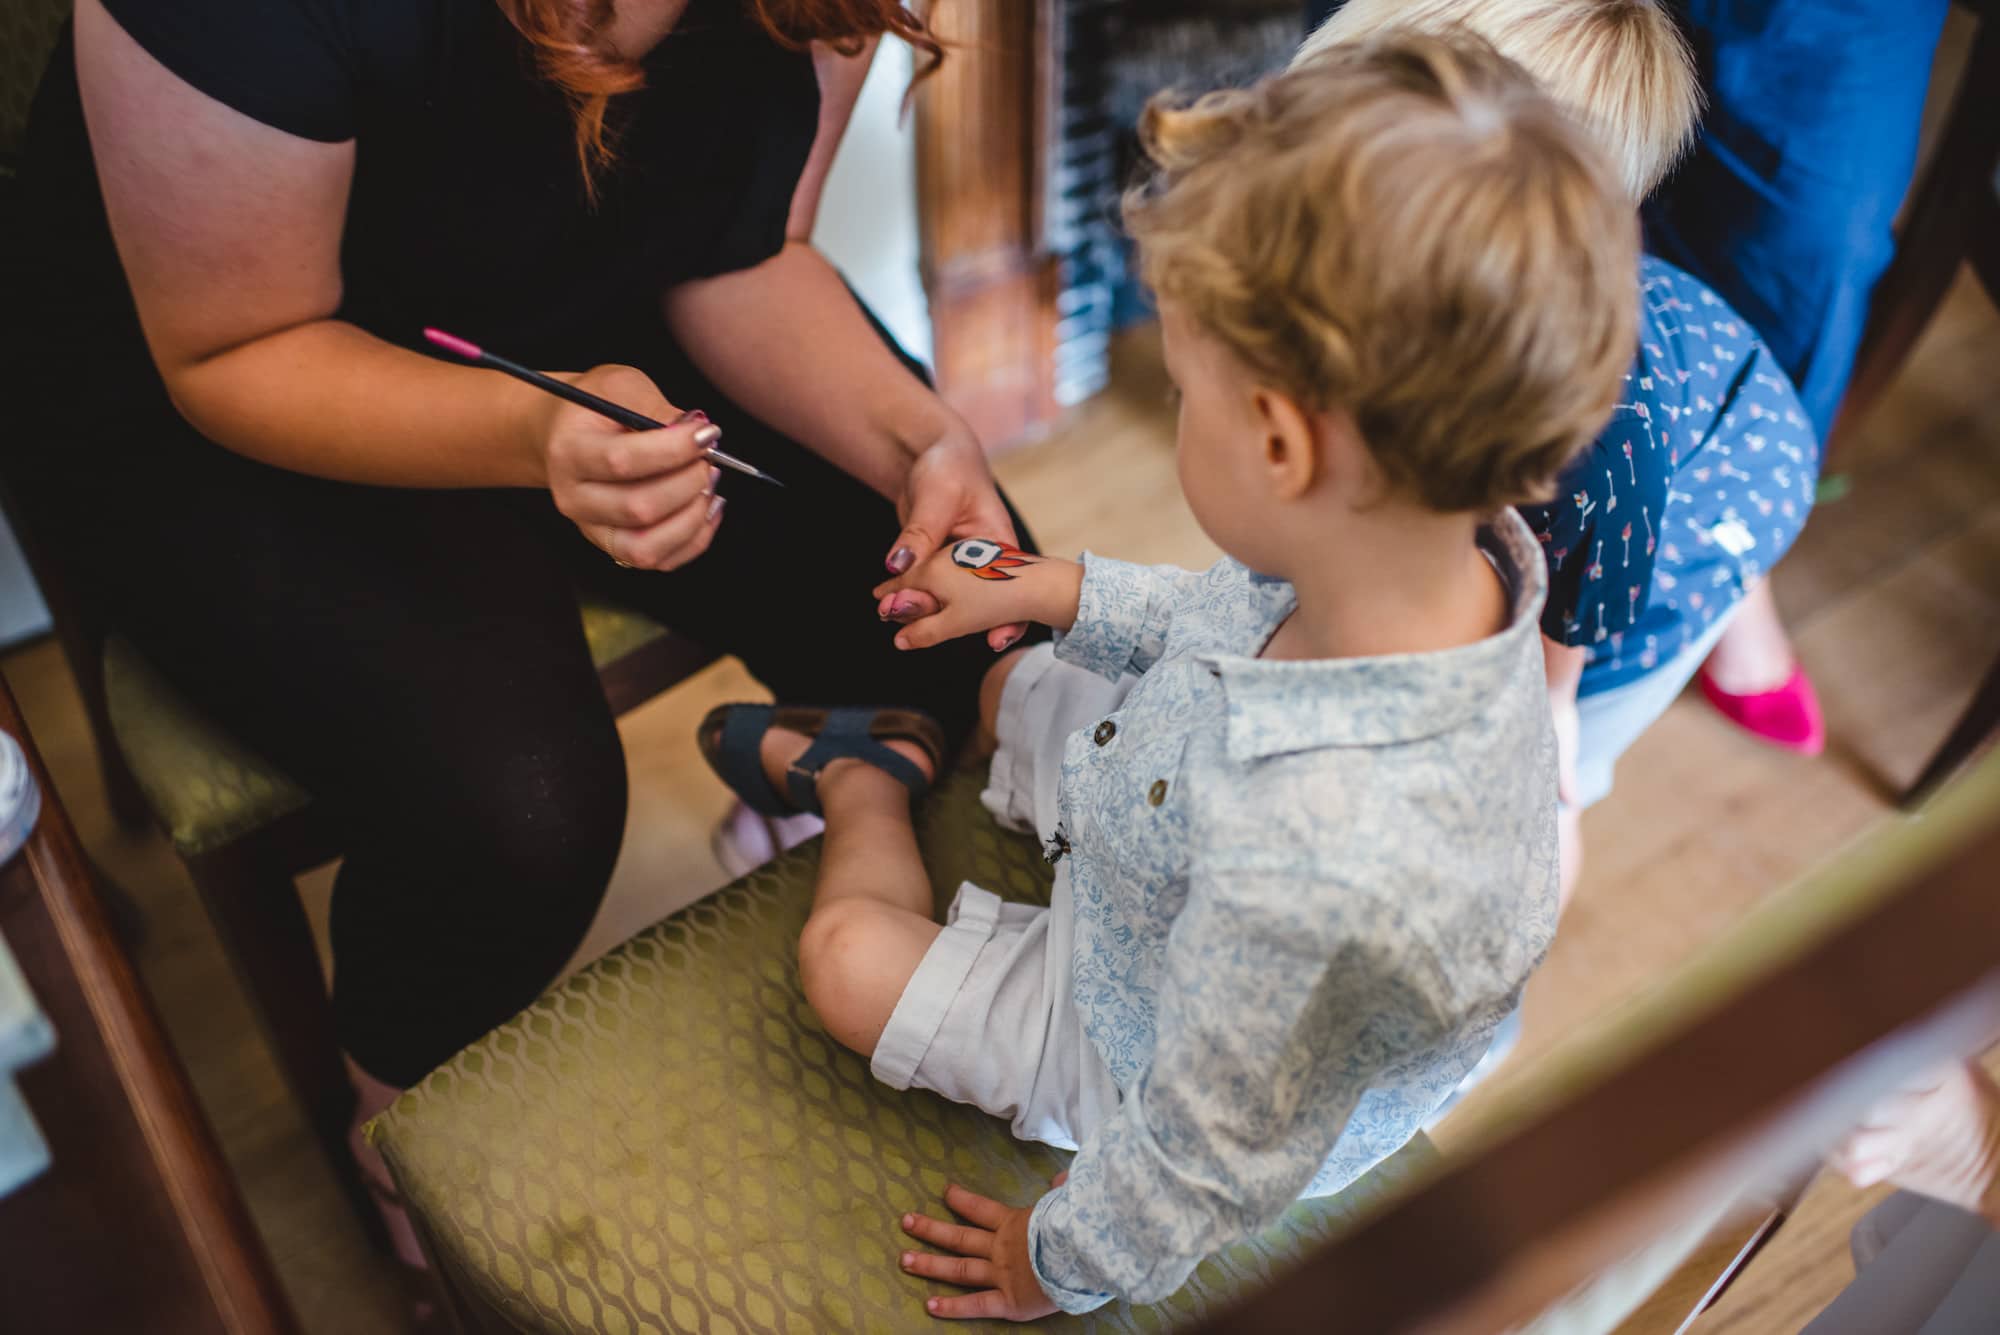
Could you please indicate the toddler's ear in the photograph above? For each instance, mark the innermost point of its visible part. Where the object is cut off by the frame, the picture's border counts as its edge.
(1290, 442)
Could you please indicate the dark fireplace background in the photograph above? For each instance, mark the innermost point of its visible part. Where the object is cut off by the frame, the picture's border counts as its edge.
(1111, 56)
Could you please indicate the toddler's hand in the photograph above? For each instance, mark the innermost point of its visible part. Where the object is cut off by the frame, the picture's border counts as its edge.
(973, 585)
(1940, 1136)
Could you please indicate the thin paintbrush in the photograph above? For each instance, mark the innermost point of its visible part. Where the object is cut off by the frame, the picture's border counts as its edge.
(625, 417)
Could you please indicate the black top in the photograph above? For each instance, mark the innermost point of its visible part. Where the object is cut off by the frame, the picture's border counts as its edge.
(468, 208)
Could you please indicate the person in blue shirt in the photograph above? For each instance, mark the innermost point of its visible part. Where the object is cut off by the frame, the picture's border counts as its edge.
(1784, 209)
(1663, 535)
(1699, 484)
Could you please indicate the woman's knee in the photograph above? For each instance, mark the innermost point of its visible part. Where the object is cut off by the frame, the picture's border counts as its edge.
(527, 828)
(558, 812)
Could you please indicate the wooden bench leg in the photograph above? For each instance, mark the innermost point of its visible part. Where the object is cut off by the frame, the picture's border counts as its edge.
(255, 906)
(1976, 727)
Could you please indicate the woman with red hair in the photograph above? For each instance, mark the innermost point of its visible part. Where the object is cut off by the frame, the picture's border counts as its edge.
(364, 560)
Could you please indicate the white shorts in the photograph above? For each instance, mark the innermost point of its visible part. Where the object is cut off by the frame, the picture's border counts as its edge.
(989, 1018)
(1608, 722)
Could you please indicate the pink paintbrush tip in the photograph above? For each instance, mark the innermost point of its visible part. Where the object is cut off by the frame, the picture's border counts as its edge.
(453, 343)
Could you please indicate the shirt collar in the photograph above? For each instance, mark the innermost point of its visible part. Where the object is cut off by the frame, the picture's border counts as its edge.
(1280, 706)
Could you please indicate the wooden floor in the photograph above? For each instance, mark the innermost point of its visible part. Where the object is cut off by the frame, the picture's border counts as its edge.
(1894, 594)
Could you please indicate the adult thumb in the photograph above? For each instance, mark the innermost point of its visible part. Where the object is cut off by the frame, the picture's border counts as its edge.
(926, 529)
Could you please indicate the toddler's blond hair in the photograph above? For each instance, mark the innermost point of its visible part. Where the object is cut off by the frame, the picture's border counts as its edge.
(1620, 66)
(1405, 229)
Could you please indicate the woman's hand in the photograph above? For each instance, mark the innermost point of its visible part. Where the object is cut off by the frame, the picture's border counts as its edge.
(1939, 1137)
(646, 497)
(949, 493)
(978, 584)
(990, 1255)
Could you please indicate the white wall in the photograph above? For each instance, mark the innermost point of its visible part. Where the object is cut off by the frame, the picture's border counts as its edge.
(21, 612)
(868, 213)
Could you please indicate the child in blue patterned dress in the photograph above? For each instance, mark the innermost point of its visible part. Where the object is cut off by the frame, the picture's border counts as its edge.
(1663, 531)
(1301, 803)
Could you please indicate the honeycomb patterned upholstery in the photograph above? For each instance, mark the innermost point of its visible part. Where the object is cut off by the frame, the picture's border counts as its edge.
(28, 31)
(669, 1141)
(207, 789)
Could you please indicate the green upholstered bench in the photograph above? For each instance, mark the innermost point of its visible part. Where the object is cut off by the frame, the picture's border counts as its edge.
(669, 1142)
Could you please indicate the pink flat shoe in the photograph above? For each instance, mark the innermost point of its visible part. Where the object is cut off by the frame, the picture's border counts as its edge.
(1788, 716)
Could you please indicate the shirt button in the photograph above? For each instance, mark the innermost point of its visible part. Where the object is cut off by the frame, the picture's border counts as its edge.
(1105, 732)
(1158, 792)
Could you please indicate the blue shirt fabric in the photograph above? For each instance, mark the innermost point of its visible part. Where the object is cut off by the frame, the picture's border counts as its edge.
(1305, 893)
(1698, 485)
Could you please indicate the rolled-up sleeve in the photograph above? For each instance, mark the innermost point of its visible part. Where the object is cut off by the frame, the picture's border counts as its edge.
(1122, 615)
(1282, 1001)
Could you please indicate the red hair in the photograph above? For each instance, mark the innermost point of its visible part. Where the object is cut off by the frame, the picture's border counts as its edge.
(573, 50)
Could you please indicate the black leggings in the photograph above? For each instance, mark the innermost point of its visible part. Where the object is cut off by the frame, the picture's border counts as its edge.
(414, 659)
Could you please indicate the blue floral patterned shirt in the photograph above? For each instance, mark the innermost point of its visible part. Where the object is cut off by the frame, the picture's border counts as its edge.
(1699, 484)
(1305, 895)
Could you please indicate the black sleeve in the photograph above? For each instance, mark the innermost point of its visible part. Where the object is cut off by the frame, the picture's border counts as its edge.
(772, 136)
(286, 63)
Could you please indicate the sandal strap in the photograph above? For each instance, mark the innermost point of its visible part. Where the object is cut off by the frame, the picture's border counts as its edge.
(846, 735)
(739, 759)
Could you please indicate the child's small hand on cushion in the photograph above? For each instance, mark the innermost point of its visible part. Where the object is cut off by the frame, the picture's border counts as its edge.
(974, 585)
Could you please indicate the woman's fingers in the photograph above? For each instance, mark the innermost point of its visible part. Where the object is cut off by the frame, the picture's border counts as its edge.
(908, 605)
(642, 504)
(1002, 638)
(952, 1237)
(669, 544)
(615, 455)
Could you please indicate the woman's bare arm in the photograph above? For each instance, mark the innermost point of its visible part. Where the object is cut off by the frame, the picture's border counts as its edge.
(787, 340)
(230, 232)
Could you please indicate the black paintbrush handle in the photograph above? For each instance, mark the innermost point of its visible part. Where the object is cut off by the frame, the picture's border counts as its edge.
(583, 398)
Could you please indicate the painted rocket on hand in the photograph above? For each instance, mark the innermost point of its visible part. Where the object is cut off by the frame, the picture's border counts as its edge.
(987, 559)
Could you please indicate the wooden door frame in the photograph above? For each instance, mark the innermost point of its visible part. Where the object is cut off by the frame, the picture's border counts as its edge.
(982, 127)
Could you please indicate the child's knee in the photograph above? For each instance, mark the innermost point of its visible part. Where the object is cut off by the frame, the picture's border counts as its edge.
(856, 956)
(991, 687)
(840, 951)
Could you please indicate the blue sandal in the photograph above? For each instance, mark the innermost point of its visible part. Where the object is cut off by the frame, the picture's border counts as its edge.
(732, 737)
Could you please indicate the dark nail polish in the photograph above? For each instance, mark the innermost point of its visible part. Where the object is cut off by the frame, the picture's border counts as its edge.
(901, 559)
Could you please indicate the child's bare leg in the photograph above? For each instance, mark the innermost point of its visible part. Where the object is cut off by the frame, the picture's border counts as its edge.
(990, 688)
(871, 917)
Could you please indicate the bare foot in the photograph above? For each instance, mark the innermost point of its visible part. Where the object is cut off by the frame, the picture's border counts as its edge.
(1754, 655)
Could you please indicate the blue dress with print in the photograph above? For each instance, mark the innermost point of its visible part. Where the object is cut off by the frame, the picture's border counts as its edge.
(1698, 485)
